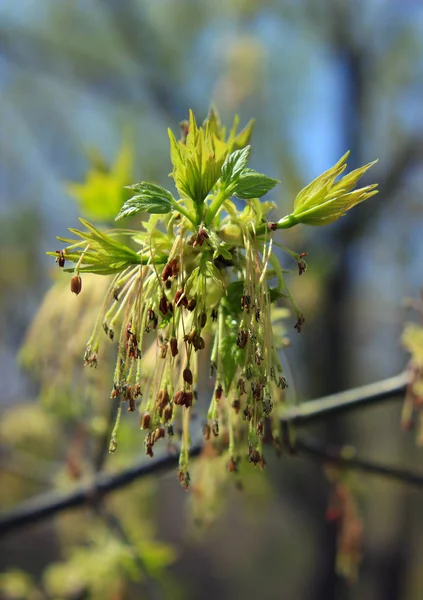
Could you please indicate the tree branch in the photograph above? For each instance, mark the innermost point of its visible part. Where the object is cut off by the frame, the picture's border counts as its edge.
(47, 505)
(372, 393)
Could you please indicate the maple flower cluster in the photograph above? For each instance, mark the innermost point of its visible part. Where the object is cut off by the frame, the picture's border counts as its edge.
(194, 293)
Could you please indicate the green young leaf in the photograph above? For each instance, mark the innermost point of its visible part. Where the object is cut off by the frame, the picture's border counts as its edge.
(192, 280)
(232, 301)
(234, 164)
(214, 273)
(252, 184)
(231, 357)
(151, 198)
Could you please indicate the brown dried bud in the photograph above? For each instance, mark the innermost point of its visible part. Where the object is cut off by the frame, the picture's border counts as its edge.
(232, 466)
(187, 376)
(145, 421)
(76, 284)
(218, 392)
(163, 307)
(202, 320)
(214, 315)
(192, 303)
(173, 346)
(167, 272)
(163, 350)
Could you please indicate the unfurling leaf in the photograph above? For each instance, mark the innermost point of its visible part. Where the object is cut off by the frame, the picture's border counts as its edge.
(151, 198)
(252, 184)
(234, 165)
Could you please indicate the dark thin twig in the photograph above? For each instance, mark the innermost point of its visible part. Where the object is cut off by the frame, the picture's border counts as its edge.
(372, 393)
(47, 505)
(334, 456)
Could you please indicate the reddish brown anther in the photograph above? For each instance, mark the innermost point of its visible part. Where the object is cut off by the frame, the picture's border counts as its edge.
(202, 320)
(282, 383)
(167, 272)
(218, 392)
(300, 322)
(188, 399)
(232, 466)
(76, 284)
(162, 399)
(180, 298)
(242, 338)
(137, 390)
(174, 263)
(241, 386)
(173, 346)
(168, 413)
(163, 350)
(214, 315)
(187, 376)
(158, 434)
(179, 398)
(201, 237)
(254, 455)
(163, 306)
(60, 258)
(199, 343)
(145, 421)
(192, 303)
(245, 302)
(236, 405)
(302, 265)
(272, 226)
